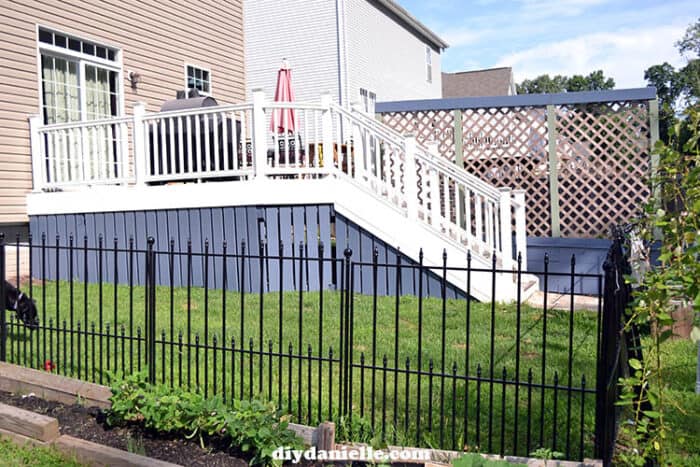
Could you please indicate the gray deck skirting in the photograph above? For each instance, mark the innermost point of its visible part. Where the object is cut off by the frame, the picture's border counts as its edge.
(523, 100)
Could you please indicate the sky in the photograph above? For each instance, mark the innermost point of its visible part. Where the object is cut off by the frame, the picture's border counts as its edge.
(534, 37)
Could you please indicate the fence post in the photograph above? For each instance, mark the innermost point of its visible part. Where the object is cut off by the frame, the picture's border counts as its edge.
(346, 347)
(38, 164)
(520, 226)
(327, 131)
(3, 321)
(553, 170)
(259, 134)
(139, 136)
(150, 310)
(505, 227)
(411, 177)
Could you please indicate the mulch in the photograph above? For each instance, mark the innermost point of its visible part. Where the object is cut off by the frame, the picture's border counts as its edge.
(88, 423)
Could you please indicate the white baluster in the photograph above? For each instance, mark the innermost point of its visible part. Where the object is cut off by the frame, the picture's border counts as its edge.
(140, 160)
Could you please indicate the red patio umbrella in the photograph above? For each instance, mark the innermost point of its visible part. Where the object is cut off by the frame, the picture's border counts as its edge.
(283, 120)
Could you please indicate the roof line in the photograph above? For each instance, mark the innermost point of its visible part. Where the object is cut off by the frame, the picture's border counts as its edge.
(419, 28)
(520, 100)
(482, 70)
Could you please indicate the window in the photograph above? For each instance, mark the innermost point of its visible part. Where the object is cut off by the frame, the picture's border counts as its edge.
(368, 100)
(79, 79)
(199, 79)
(428, 64)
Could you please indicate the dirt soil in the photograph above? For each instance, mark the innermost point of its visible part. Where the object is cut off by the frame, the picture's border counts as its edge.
(88, 423)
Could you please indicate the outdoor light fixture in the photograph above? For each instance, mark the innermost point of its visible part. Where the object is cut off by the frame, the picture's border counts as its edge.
(135, 78)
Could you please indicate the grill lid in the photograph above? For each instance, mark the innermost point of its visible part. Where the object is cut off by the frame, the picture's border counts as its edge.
(186, 104)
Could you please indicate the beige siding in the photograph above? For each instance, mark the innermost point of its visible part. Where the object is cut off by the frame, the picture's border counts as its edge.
(156, 37)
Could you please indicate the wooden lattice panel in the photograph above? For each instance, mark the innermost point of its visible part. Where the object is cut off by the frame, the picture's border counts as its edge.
(429, 127)
(603, 153)
(508, 148)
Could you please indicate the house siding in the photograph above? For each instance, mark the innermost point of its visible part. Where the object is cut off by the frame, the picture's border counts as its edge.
(156, 40)
(386, 58)
(305, 32)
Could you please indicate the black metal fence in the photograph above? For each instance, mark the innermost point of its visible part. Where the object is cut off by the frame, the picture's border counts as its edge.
(387, 367)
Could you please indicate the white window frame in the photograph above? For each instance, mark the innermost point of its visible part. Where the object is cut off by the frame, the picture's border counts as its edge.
(368, 100)
(203, 68)
(82, 59)
(428, 64)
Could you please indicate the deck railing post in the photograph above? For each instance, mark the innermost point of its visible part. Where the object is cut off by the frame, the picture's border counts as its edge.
(520, 226)
(411, 177)
(434, 188)
(360, 146)
(259, 134)
(139, 135)
(327, 131)
(38, 164)
(506, 233)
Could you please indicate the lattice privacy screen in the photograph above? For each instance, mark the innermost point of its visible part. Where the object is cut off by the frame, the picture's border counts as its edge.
(602, 152)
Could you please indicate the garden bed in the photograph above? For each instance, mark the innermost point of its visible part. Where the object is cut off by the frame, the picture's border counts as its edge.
(88, 423)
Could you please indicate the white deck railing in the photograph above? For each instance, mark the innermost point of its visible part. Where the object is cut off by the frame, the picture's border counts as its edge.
(266, 139)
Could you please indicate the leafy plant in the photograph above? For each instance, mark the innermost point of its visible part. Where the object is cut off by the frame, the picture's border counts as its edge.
(546, 454)
(252, 427)
(672, 217)
(477, 460)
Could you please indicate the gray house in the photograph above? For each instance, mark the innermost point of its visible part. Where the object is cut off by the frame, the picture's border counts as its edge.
(358, 50)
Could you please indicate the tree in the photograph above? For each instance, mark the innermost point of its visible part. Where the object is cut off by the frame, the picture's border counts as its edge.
(677, 89)
(595, 81)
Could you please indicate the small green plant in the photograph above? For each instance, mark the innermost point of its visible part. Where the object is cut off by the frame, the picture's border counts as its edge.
(252, 427)
(477, 460)
(546, 454)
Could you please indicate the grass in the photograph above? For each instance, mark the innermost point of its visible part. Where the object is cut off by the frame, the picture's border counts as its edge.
(385, 404)
(14, 455)
(683, 404)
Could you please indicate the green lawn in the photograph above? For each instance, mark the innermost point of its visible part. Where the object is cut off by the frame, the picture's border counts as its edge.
(374, 336)
(683, 404)
(14, 455)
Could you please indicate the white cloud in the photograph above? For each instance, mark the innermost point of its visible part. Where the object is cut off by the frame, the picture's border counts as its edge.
(622, 55)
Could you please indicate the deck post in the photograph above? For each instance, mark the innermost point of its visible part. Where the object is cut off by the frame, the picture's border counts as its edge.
(360, 147)
(434, 188)
(259, 134)
(553, 170)
(140, 164)
(411, 177)
(38, 164)
(506, 235)
(327, 132)
(520, 226)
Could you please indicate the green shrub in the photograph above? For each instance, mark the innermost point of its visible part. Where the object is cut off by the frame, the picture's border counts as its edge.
(253, 427)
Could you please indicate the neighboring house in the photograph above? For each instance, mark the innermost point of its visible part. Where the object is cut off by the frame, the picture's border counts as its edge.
(477, 83)
(70, 61)
(358, 50)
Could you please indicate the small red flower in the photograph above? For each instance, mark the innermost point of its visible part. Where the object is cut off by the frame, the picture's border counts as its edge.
(49, 366)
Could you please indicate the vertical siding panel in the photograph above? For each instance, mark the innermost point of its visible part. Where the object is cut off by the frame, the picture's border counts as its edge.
(217, 241)
(140, 244)
(354, 245)
(183, 233)
(109, 234)
(123, 244)
(241, 238)
(208, 235)
(178, 247)
(80, 234)
(273, 242)
(324, 229)
(161, 247)
(197, 247)
(366, 255)
(299, 239)
(229, 229)
(285, 222)
(381, 269)
(391, 270)
(62, 232)
(251, 217)
(312, 237)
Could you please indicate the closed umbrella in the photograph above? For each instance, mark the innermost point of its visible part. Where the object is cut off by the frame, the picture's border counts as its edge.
(283, 121)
